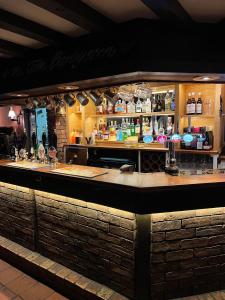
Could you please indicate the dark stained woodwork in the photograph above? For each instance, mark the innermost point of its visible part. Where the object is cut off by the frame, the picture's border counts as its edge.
(168, 10)
(13, 49)
(76, 12)
(136, 192)
(106, 58)
(20, 25)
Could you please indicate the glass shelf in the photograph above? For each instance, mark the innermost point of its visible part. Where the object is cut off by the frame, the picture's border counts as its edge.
(135, 115)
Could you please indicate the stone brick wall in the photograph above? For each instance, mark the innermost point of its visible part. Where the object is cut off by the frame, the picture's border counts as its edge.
(187, 253)
(61, 134)
(17, 214)
(92, 239)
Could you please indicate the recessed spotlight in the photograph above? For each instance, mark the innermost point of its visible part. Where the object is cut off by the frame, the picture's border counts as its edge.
(19, 95)
(206, 78)
(68, 87)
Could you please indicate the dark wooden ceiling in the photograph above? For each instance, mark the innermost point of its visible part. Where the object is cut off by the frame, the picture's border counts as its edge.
(26, 25)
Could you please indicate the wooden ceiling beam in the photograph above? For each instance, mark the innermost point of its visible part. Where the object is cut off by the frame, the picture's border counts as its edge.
(13, 49)
(77, 12)
(30, 29)
(168, 10)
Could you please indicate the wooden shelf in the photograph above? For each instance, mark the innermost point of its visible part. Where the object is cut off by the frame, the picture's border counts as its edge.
(135, 115)
(198, 116)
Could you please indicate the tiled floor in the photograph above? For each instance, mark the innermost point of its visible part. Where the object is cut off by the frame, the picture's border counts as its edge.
(16, 285)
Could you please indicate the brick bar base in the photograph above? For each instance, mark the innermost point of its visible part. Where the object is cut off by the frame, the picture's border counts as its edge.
(183, 251)
(62, 279)
(95, 240)
(187, 253)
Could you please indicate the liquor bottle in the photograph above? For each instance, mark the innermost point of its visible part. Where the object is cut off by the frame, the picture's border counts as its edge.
(193, 104)
(161, 129)
(110, 108)
(144, 106)
(188, 105)
(123, 107)
(148, 106)
(130, 107)
(116, 106)
(153, 104)
(137, 127)
(208, 142)
(100, 109)
(167, 101)
(73, 137)
(159, 104)
(128, 127)
(151, 128)
(156, 127)
(169, 128)
(132, 128)
(162, 97)
(138, 107)
(199, 105)
(172, 105)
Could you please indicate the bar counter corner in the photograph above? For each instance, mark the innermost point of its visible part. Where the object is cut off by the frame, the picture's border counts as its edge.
(147, 236)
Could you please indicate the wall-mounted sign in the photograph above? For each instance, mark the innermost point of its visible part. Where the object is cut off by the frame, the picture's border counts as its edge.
(175, 138)
(188, 138)
(161, 139)
(148, 139)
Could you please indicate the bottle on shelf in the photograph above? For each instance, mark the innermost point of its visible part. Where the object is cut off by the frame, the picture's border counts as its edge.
(137, 127)
(151, 128)
(128, 127)
(99, 109)
(188, 105)
(148, 106)
(161, 129)
(172, 105)
(159, 104)
(132, 128)
(167, 101)
(130, 107)
(208, 142)
(110, 108)
(199, 104)
(123, 107)
(144, 106)
(154, 106)
(169, 128)
(73, 137)
(156, 127)
(138, 106)
(193, 104)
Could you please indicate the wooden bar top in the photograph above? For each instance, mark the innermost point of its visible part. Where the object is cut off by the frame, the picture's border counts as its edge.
(139, 191)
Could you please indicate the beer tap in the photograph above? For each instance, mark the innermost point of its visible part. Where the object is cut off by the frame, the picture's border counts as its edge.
(171, 166)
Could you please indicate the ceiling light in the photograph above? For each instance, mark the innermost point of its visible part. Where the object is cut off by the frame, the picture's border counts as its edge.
(19, 95)
(95, 98)
(82, 98)
(69, 99)
(68, 87)
(206, 78)
(12, 115)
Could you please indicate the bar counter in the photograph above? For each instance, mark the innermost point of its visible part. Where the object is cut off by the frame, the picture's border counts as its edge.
(146, 236)
(135, 192)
